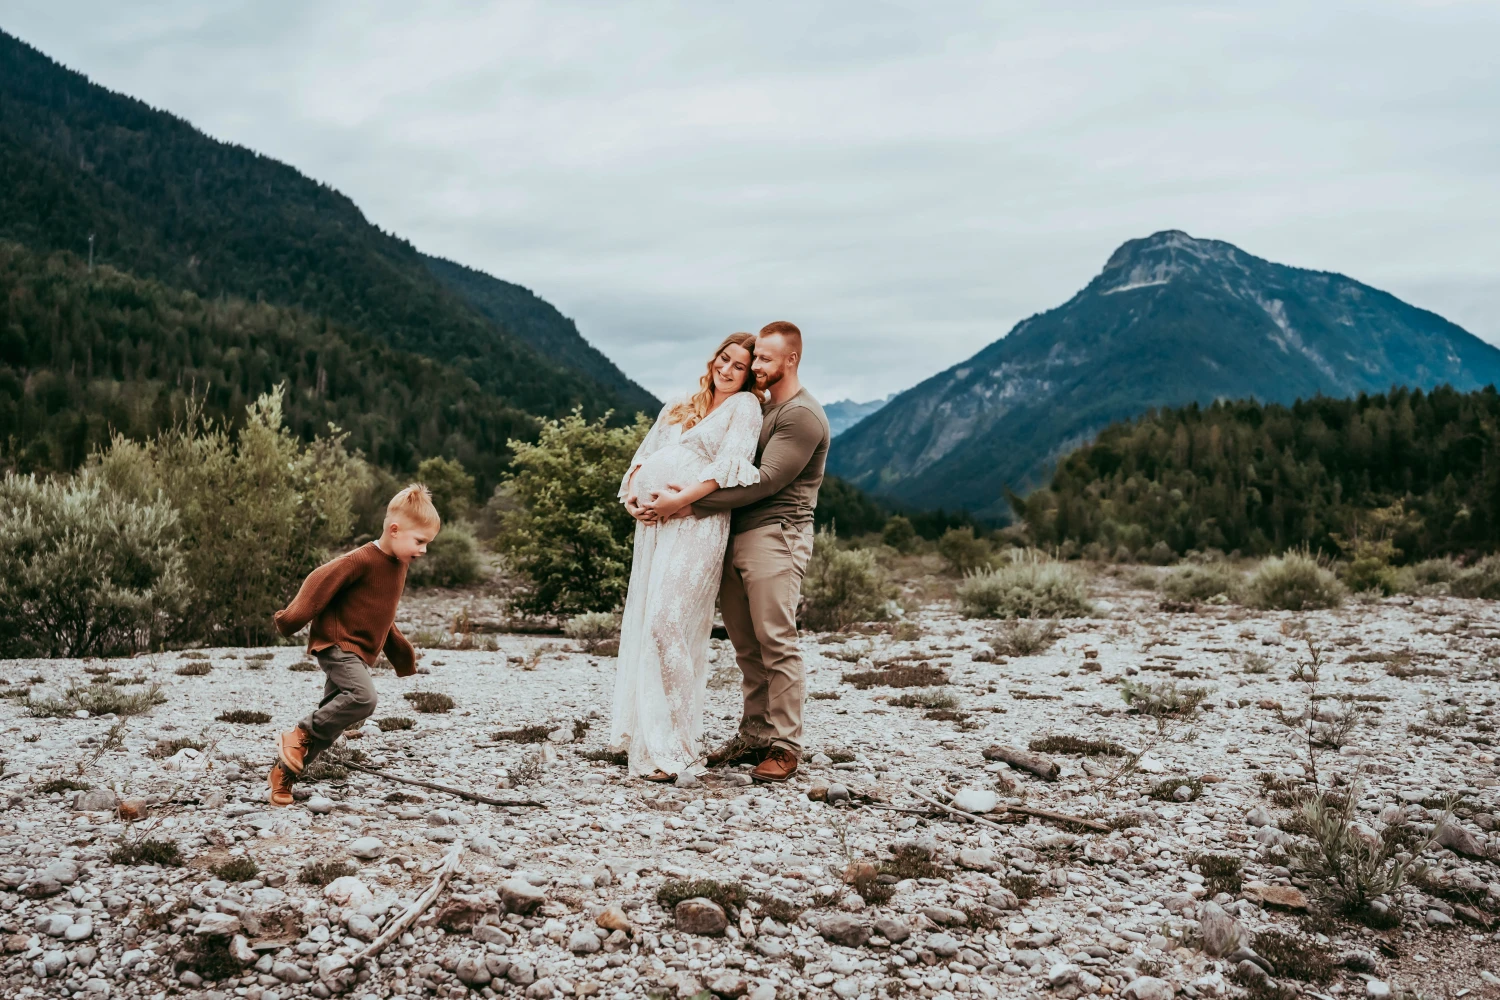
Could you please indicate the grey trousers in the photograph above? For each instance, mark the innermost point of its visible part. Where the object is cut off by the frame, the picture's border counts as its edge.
(348, 699)
(758, 596)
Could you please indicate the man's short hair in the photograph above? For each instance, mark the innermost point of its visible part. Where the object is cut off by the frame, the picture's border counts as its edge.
(789, 331)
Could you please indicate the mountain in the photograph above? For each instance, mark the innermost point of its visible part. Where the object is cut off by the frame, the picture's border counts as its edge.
(535, 320)
(845, 413)
(163, 201)
(1170, 320)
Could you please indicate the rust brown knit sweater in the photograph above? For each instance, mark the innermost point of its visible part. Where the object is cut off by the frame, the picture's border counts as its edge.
(351, 602)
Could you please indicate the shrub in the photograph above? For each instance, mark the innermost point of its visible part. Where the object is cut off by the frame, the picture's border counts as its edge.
(962, 551)
(61, 785)
(395, 723)
(244, 716)
(842, 586)
(84, 571)
(898, 676)
(1166, 790)
(1428, 577)
(429, 701)
(899, 534)
(1296, 956)
(240, 869)
(452, 560)
(1346, 865)
(1161, 700)
(526, 734)
(593, 629)
(619, 758)
(291, 504)
(560, 518)
(726, 894)
(1025, 638)
(194, 668)
(937, 699)
(452, 487)
(1078, 745)
(1027, 588)
(147, 852)
(166, 748)
(1200, 583)
(98, 699)
(1479, 580)
(1221, 872)
(1294, 581)
(320, 873)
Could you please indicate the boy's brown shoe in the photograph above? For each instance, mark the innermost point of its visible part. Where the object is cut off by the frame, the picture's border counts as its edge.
(735, 752)
(281, 785)
(779, 765)
(292, 749)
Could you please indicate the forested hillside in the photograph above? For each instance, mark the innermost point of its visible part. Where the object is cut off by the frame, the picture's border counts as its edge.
(1262, 478)
(537, 321)
(165, 201)
(82, 355)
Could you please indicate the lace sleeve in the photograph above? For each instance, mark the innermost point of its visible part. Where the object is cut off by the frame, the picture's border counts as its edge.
(734, 461)
(652, 442)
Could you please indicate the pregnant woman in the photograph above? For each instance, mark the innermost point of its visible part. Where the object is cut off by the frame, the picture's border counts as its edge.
(707, 439)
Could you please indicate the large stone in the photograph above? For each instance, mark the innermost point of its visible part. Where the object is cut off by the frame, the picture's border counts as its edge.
(240, 950)
(1147, 988)
(520, 896)
(942, 945)
(1258, 817)
(976, 800)
(1460, 840)
(347, 890)
(521, 973)
(320, 804)
(1221, 933)
(490, 934)
(362, 927)
(1062, 974)
(613, 918)
(367, 848)
(894, 931)
(1002, 899)
(472, 971)
(583, 942)
(81, 929)
(700, 916)
(94, 800)
(979, 859)
(289, 973)
(840, 928)
(218, 924)
(730, 985)
(1285, 896)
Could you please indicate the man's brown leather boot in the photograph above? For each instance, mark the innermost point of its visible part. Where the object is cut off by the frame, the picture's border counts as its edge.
(292, 749)
(778, 765)
(281, 785)
(735, 752)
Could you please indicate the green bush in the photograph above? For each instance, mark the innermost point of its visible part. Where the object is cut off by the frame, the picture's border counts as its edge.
(256, 512)
(84, 571)
(1200, 583)
(1294, 581)
(560, 519)
(899, 534)
(452, 488)
(452, 560)
(962, 551)
(1026, 588)
(1479, 580)
(842, 586)
(1428, 577)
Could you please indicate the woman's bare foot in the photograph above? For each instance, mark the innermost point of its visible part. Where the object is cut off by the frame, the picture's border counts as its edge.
(661, 776)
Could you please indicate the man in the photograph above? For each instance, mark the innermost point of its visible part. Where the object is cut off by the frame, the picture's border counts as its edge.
(770, 543)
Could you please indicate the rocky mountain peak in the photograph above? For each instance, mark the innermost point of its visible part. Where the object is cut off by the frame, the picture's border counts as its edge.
(1156, 259)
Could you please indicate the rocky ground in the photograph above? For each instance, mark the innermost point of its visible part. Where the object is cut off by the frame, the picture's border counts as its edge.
(563, 898)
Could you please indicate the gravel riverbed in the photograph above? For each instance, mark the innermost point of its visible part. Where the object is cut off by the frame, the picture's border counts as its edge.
(562, 899)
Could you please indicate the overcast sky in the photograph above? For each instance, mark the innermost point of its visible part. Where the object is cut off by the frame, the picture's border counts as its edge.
(904, 180)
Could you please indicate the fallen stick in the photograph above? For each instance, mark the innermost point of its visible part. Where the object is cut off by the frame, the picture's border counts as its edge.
(1043, 767)
(472, 796)
(415, 910)
(1055, 817)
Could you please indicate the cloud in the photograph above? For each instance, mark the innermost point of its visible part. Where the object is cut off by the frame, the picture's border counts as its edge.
(904, 180)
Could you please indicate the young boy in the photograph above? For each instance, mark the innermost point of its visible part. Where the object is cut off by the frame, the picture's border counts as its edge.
(351, 603)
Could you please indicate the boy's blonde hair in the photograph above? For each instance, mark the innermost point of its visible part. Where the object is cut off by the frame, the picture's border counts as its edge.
(413, 505)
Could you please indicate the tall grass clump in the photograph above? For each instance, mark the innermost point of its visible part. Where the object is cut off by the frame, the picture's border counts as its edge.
(452, 559)
(1026, 588)
(1205, 582)
(84, 571)
(842, 586)
(1293, 581)
(1430, 577)
(1479, 580)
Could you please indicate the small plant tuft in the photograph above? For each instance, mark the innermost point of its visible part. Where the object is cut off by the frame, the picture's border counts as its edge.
(1078, 745)
(1162, 699)
(147, 852)
(1166, 791)
(62, 785)
(1221, 872)
(244, 717)
(429, 701)
(526, 734)
(933, 700)
(726, 894)
(395, 723)
(898, 676)
(166, 748)
(1025, 638)
(196, 668)
(240, 869)
(593, 630)
(1295, 581)
(320, 873)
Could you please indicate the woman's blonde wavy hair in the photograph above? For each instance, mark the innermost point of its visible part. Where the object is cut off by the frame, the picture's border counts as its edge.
(695, 407)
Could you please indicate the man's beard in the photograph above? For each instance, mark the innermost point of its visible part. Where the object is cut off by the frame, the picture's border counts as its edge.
(768, 379)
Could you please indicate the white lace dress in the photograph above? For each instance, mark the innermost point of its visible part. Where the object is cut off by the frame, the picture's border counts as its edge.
(674, 580)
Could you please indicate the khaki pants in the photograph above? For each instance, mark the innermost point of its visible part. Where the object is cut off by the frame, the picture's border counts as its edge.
(348, 699)
(758, 597)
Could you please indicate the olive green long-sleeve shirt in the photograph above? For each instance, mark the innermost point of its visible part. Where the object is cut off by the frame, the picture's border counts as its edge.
(791, 454)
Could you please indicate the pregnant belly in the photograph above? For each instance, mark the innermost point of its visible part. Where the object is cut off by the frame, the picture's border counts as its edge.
(675, 465)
